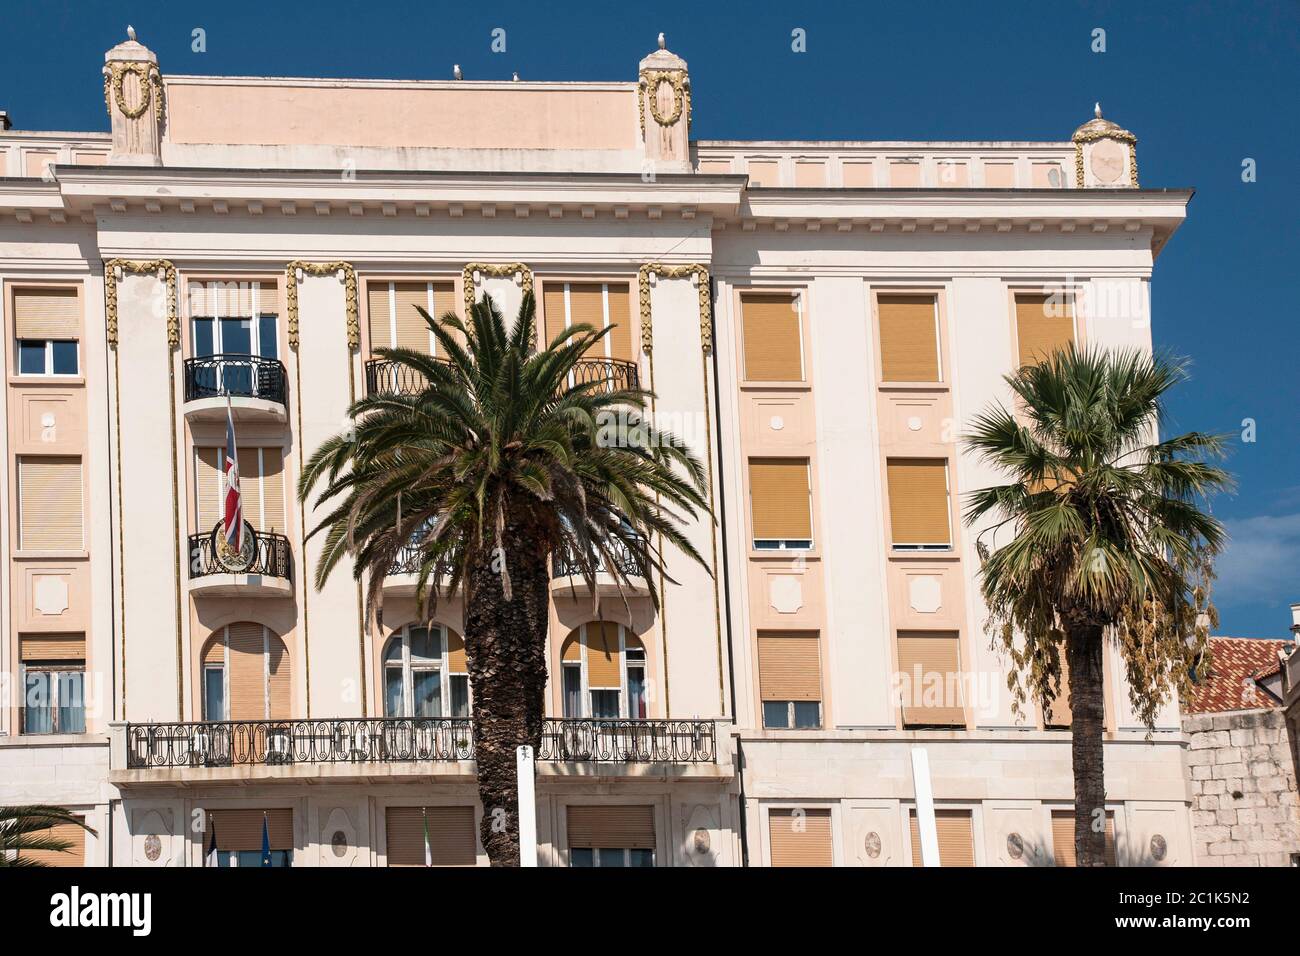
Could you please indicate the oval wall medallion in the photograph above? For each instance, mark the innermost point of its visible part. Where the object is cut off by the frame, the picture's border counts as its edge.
(702, 841)
(1159, 848)
(152, 848)
(1015, 845)
(339, 843)
(871, 845)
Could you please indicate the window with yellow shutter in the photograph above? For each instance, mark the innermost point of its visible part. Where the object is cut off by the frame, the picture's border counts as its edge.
(246, 675)
(49, 504)
(53, 674)
(261, 485)
(610, 835)
(771, 331)
(930, 679)
(432, 836)
(800, 836)
(1044, 324)
(919, 516)
(393, 309)
(1063, 849)
(780, 503)
(956, 838)
(909, 338)
(603, 672)
(47, 327)
(790, 679)
(601, 305)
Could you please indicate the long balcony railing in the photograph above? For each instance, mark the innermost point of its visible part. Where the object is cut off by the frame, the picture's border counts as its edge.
(405, 740)
(240, 376)
(263, 553)
(616, 374)
(563, 563)
(385, 377)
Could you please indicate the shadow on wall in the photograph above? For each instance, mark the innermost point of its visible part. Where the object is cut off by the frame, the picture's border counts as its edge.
(1039, 853)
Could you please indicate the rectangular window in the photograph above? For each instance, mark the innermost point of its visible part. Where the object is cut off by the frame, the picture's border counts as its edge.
(54, 689)
(49, 504)
(909, 338)
(239, 836)
(781, 503)
(1044, 324)
(394, 311)
(789, 676)
(451, 841)
(771, 337)
(573, 689)
(214, 692)
(47, 327)
(800, 836)
(234, 317)
(261, 484)
(918, 504)
(1063, 838)
(426, 686)
(47, 357)
(597, 304)
(458, 685)
(956, 838)
(611, 835)
(929, 665)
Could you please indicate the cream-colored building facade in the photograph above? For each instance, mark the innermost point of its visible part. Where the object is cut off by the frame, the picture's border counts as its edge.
(816, 319)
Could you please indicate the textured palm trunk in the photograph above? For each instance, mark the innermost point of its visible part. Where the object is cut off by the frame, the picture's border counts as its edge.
(505, 643)
(1083, 653)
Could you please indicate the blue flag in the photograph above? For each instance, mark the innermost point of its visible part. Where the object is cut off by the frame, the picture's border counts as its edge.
(266, 843)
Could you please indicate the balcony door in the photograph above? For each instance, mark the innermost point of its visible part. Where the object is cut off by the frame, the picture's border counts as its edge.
(425, 673)
(233, 319)
(246, 675)
(603, 673)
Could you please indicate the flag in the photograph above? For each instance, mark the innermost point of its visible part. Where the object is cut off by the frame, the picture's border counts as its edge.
(266, 842)
(211, 859)
(428, 851)
(233, 511)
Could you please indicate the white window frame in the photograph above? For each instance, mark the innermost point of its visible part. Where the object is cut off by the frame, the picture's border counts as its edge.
(55, 669)
(255, 337)
(626, 851)
(49, 359)
(784, 544)
(624, 702)
(443, 667)
(930, 547)
(225, 675)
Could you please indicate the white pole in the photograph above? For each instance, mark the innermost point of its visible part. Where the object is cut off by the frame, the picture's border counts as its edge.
(925, 807)
(527, 807)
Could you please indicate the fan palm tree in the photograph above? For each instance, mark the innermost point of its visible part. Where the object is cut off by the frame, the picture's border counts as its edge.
(494, 465)
(1098, 537)
(29, 828)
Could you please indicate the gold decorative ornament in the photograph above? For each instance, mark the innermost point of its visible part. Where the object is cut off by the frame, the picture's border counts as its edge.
(139, 267)
(1097, 129)
(683, 271)
(147, 74)
(492, 271)
(651, 80)
(323, 269)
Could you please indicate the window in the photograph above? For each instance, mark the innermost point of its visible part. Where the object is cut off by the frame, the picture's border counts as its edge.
(780, 504)
(929, 665)
(956, 838)
(603, 672)
(234, 318)
(598, 304)
(49, 504)
(611, 835)
(800, 836)
(426, 673)
(789, 677)
(47, 326)
(451, 839)
(395, 322)
(918, 504)
(54, 683)
(1044, 323)
(261, 484)
(909, 338)
(238, 836)
(1063, 838)
(771, 337)
(246, 675)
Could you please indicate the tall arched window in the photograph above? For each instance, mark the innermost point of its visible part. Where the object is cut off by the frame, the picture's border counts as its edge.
(603, 672)
(246, 674)
(425, 673)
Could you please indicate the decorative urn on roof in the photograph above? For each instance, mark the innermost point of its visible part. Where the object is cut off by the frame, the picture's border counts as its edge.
(1105, 154)
(133, 94)
(664, 104)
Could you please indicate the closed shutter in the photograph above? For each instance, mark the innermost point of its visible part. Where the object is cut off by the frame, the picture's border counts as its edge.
(612, 826)
(603, 660)
(956, 838)
(247, 671)
(620, 321)
(52, 647)
(778, 492)
(554, 313)
(789, 665)
(1063, 838)
(800, 837)
(1043, 325)
(214, 652)
(46, 314)
(456, 661)
(273, 505)
(1058, 713)
(242, 829)
(571, 650)
(451, 836)
(771, 338)
(250, 486)
(278, 678)
(587, 307)
(49, 506)
(266, 296)
(69, 833)
(909, 346)
(381, 316)
(918, 501)
(412, 330)
(207, 488)
(936, 656)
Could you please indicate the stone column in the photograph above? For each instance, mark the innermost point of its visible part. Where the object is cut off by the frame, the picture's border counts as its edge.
(133, 93)
(664, 103)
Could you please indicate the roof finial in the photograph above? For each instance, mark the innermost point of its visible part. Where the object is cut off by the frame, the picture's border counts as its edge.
(515, 76)
(130, 32)
(1096, 110)
(455, 72)
(661, 41)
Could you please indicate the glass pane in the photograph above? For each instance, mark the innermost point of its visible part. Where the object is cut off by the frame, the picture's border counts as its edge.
(426, 645)
(267, 343)
(393, 653)
(427, 686)
(572, 690)
(610, 856)
(641, 857)
(604, 703)
(807, 713)
(72, 703)
(251, 858)
(459, 695)
(38, 712)
(31, 357)
(581, 856)
(776, 713)
(236, 336)
(393, 690)
(65, 358)
(214, 693)
(636, 702)
(204, 341)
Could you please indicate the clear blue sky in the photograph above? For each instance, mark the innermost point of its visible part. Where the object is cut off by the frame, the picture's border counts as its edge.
(1204, 85)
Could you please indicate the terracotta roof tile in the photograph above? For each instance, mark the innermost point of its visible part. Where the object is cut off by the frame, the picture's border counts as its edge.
(1238, 664)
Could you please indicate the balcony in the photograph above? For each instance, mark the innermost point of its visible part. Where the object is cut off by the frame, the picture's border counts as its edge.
(403, 573)
(255, 387)
(262, 569)
(565, 575)
(629, 741)
(386, 377)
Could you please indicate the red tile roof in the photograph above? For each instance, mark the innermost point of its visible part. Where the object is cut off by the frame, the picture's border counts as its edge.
(1235, 663)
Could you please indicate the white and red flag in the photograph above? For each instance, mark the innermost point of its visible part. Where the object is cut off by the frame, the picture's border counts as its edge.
(232, 513)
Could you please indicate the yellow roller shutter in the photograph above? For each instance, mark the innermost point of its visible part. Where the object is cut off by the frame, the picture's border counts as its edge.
(52, 647)
(1058, 713)
(771, 337)
(918, 501)
(207, 488)
(554, 310)
(47, 314)
(242, 829)
(587, 307)
(273, 505)
(247, 671)
(250, 486)
(603, 657)
(956, 838)
(800, 837)
(789, 665)
(936, 656)
(452, 840)
(620, 320)
(1043, 324)
(1063, 838)
(613, 826)
(214, 652)
(49, 504)
(69, 833)
(778, 493)
(909, 345)
(571, 650)
(379, 310)
(412, 330)
(456, 660)
(278, 678)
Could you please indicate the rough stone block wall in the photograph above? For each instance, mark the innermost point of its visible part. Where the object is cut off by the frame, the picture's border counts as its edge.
(1245, 805)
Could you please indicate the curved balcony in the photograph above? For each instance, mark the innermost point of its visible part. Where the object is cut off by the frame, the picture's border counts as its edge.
(616, 374)
(256, 387)
(400, 581)
(566, 576)
(261, 569)
(386, 377)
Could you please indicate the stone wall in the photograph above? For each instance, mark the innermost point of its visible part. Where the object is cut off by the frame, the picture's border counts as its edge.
(1242, 772)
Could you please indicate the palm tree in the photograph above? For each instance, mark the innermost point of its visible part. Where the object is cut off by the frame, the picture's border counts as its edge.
(30, 828)
(1098, 538)
(497, 463)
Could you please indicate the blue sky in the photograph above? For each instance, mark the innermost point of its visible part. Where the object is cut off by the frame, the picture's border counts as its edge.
(1204, 86)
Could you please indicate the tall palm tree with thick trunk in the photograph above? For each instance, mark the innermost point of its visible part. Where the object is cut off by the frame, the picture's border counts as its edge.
(1098, 538)
(30, 829)
(500, 460)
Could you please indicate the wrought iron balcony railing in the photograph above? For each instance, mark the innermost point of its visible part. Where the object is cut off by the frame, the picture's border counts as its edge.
(617, 374)
(241, 376)
(384, 376)
(263, 553)
(404, 740)
(563, 563)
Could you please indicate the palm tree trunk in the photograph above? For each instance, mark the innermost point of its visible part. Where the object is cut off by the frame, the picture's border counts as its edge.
(1083, 654)
(505, 645)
